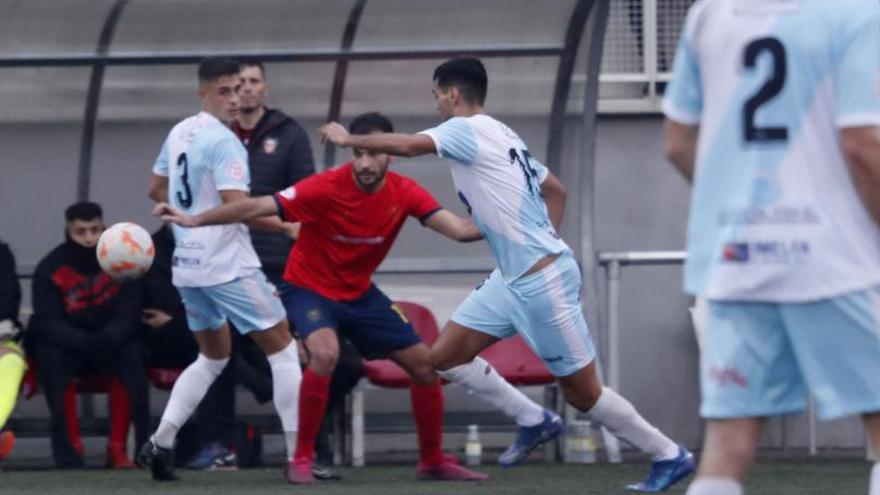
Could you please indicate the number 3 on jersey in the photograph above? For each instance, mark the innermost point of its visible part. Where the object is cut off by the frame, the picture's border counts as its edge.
(184, 193)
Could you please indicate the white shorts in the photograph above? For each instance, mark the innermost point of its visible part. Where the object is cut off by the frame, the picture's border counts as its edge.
(544, 307)
(249, 303)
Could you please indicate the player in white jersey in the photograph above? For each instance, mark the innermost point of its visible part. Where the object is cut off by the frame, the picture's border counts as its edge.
(517, 204)
(202, 164)
(773, 113)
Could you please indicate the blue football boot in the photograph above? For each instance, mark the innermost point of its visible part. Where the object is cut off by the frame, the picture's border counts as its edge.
(528, 438)
(664, 474)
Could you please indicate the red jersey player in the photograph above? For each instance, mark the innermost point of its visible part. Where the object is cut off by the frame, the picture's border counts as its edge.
(350, 217)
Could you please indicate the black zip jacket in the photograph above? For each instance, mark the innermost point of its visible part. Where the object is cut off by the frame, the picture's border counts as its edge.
(279, 155)
(10, 289)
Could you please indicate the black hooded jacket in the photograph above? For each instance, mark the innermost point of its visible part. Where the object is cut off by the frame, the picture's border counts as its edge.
(80, 308)
(279, 155)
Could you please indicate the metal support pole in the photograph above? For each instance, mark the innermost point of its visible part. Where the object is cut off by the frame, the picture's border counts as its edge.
(649, 38)
(613, 362)
(811, 416)
(357, 427)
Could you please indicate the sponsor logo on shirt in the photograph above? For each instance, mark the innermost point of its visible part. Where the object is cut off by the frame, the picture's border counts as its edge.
(776, 215)
(735, 252)
(787, 252)
(270, 145)
(727, 376)
(185, 262)
(359, 240)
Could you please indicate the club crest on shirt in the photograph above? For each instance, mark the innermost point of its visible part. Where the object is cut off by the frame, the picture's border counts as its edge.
(314, 314)
(288, 193)
(236, 171)
(270, 145)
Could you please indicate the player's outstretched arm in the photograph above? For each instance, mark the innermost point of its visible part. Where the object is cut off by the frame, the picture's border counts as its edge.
(391, 143)
(453, 226)
(554, 196)
(240, 210)
(681, 146)
(861, 145)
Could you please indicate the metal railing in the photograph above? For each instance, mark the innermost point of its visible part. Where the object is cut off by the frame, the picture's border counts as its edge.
(640, 44)
(613, 263)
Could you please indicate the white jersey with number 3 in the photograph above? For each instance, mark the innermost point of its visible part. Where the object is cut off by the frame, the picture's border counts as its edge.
(201, 157)
(775, 215)
(500, 183)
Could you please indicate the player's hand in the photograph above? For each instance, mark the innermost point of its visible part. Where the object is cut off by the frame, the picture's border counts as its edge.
(155, 318)
(171, 214)
(335, 133)
(291, 229)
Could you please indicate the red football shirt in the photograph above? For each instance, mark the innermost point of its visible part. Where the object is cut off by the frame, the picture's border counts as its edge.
(346, 233)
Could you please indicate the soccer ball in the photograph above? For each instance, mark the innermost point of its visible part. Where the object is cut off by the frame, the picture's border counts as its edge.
(125, 251)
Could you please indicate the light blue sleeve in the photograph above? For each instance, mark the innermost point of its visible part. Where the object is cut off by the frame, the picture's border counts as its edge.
(455, 140)
(230, 165)
(161, 166)
(857, 76)
(683, 101)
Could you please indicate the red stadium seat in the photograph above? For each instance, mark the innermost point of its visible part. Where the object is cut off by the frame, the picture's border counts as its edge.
(163, 378)
(512, 358)
(515, 361)
(383, 372)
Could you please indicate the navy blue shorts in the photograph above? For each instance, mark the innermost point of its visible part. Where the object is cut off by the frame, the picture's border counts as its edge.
(373, 324)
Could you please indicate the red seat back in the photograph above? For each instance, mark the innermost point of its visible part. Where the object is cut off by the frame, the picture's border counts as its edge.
(517, 363)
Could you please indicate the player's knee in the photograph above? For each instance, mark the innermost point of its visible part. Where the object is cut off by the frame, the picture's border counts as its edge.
(444, 361)
(424, 374)
(322, 360)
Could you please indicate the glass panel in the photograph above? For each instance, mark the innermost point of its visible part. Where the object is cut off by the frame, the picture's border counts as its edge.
(169, 26)
(40, 140)
(403, 24)
(50, 27)
(517, 86)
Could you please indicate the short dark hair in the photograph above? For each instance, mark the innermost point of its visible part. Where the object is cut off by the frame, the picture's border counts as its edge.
(368, 123)
(213, 68)
(252, 62)
(465, 73)
(83, 210)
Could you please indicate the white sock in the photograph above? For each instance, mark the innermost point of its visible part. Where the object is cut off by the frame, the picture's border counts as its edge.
(188, 391)
(479, 378)
(286, 378)
(874, 484)
(715, 486)
(620, 418)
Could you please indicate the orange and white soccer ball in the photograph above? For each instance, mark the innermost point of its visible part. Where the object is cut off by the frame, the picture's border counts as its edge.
(125, 251)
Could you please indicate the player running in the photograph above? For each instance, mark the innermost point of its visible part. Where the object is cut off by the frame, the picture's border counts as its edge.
(202, 165)
(518, 206)
(773, 112)
(350, 216)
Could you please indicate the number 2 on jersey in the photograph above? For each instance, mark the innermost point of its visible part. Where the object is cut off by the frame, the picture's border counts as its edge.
(769, 90)
(184, 193)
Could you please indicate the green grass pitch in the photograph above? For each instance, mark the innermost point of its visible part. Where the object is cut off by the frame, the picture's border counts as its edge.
(776, 477)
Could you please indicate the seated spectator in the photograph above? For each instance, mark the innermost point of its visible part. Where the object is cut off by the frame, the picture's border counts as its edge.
(166, 335)
(12, 363)
(85, 322)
